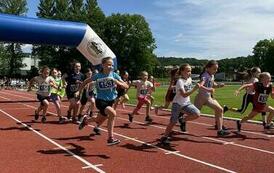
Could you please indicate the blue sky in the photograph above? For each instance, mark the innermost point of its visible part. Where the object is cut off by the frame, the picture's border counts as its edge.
(212, 29)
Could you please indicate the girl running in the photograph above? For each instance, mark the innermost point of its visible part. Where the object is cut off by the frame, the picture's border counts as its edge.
(262, 90)
(122, 97)
(144, 91)
(252, 77)
(204, 97)
(45, 82)
(73, 80)
(88, 96)
(105, 83)
(181, 101)
(55, 94)
(171, 91)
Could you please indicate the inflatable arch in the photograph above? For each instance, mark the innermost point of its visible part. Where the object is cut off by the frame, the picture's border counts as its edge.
(18, 29)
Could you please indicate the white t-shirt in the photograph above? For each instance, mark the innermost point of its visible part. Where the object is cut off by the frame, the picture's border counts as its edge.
(182, 85)
(143, 88)
(43, 85)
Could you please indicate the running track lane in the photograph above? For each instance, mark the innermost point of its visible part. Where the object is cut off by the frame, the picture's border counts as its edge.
(122, 163)
(142, 118)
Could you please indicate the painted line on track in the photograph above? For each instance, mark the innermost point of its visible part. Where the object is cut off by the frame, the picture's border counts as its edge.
(54, 143)
(159, 148)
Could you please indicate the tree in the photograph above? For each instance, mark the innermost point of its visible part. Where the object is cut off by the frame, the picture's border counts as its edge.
(95, 17)
(14, 52)
(263, 54)
(130, 37)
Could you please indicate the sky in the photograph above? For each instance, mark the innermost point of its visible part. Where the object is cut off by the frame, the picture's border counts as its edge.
(203, 29)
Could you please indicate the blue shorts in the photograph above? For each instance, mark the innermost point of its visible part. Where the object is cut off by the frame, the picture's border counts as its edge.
(54, 97)
(188, 109)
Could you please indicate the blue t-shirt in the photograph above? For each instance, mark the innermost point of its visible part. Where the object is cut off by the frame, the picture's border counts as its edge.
(105, 86)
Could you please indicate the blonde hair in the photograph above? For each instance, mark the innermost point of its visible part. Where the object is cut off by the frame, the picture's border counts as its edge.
(263, 75)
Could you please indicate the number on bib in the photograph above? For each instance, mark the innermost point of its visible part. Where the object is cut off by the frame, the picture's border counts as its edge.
(262, 98)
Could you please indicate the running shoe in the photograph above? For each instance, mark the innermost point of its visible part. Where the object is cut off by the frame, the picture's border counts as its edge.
(112, 141)
(83, 122)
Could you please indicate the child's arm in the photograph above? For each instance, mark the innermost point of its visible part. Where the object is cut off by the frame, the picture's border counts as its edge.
(211, 90)
(250, 85)
(121, 83)
(82, 86)
(216, 85)
(31, 82)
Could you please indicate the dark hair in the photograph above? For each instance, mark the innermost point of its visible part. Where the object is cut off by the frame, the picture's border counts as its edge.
(104, 60)
(182, 68)
(251, 72)
(173, 73)
(208, 65)
(53, 70)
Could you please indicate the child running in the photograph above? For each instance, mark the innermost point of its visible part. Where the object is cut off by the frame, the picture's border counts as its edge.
(171, 91)
(122, 97)
(105, 83)
(204, 97)
(262, 90)
(45, 82)
(73, 80)
(88, 96)
(144, 91)
(181, 101)
(55, 95)
(252, 77)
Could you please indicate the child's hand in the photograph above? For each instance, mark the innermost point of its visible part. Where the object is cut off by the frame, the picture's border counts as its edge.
(237, 92)
(77, 94)
(212, 90)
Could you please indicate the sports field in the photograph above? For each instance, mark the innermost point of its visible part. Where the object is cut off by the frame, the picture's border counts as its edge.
(224, 95)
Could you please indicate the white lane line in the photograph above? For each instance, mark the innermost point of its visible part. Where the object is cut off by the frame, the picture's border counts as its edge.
(164, 150)
(88, 167)
(212, 139)
(55, 143)
(208, 125)
(192, 122)
(172, 153)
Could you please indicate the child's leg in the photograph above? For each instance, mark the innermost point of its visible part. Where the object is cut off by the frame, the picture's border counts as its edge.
(111, 115)
(175, 111)
(271, 114)
(213, 104)
(57, 104)
(250, 116)
(45, 107)
(139, 106)
(148, 108)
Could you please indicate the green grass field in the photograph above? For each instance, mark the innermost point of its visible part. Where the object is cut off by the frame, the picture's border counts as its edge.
(225, 96)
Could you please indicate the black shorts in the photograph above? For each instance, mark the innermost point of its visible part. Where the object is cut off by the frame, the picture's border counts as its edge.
(84, 98)
(70, 95)
(101, 105)
(120, 92)
(42, 98)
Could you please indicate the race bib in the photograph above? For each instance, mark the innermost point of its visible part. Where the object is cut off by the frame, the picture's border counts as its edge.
(74, 87)
(143, 91)
(106, 83)
(262, 98)
(44, 88)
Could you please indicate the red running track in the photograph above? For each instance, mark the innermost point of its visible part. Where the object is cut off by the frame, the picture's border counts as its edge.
(30, 146)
